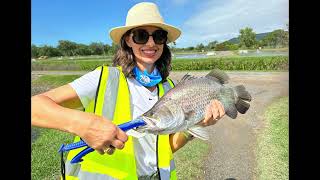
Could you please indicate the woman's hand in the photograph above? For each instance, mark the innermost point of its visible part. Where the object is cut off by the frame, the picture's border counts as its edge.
(53, 109)
(101, 134)
(214, 112)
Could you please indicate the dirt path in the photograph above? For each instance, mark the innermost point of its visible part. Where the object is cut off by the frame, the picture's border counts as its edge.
(231, 142)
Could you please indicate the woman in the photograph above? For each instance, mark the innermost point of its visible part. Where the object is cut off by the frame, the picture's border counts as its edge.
(114, 95)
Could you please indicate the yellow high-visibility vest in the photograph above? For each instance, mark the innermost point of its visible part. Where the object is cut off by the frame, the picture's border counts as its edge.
(113, 102)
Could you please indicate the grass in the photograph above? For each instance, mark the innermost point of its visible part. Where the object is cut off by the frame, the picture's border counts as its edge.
(266, 63)
(45, 159)
(272, 149)
(54, 80)
(189, 160)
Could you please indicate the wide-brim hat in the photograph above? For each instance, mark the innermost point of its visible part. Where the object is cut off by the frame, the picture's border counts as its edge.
(144, 14)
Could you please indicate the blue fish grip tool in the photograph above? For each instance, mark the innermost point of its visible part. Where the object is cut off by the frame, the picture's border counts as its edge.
(78, 158)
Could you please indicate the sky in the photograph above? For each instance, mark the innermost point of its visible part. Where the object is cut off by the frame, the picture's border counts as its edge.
(201, 21)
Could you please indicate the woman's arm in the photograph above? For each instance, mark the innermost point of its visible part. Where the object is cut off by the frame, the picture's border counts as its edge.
(178, 140)
(52, 109)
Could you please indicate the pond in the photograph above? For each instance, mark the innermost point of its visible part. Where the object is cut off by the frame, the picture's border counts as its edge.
(225, 54)
(265, 53)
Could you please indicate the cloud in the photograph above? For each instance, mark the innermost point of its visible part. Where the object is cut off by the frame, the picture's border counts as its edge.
(222, 20)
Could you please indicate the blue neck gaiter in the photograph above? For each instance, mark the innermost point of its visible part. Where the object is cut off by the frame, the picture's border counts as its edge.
(147, 79)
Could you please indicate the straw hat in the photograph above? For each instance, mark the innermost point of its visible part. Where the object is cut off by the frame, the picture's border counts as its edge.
(144, 14)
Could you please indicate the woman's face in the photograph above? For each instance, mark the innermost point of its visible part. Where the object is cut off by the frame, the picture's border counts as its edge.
(145, 54)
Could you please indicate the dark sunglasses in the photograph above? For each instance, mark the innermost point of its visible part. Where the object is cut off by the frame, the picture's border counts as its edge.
(141, 36)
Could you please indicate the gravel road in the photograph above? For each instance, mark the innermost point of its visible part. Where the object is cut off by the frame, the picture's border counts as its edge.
(232, 141)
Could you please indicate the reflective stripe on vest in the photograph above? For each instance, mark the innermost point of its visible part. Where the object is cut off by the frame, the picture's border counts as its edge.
(113, 102)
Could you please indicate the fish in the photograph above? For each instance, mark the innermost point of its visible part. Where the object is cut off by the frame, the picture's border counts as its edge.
(184, 106)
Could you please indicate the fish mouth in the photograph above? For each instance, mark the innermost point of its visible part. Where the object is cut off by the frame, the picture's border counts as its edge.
(151, 125)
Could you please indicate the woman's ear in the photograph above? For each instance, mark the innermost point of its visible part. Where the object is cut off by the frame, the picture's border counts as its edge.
(127, 39)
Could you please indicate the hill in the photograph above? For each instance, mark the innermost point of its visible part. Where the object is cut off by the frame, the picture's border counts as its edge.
(258, 37)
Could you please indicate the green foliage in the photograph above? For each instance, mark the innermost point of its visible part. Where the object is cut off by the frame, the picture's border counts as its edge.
(44, 51)
(75, 65)
(34, 51)
(67, 48)
(273, 143)
(83, 50)
(96, 48)
(233, 63)
(45, 160)
(189, 160)
(276, 39)
(263, 63)
(212, 45)
(200, 47)
(54, 80)
(113, 49)
(225, 46)
(247, 37)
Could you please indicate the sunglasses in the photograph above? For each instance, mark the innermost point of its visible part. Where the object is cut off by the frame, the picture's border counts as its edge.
(141, 36)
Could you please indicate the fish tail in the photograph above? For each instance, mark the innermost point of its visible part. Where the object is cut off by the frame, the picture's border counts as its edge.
(243, 96)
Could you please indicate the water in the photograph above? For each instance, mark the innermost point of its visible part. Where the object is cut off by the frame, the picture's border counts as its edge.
(220, 54)
(265, 53)
(190, 56)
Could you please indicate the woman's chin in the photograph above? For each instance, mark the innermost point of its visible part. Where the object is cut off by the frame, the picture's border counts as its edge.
(149, 60)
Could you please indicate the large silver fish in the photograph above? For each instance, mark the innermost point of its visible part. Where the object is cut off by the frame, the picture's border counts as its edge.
(183, 106)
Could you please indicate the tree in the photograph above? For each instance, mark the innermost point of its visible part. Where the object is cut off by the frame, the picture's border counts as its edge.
(200, 47)
(247, 37)
(212, 45)
(190, 48)
(106, 48)
(113, 49)
(82, 50)
(277, 38)
(49, 51)
(34, 51)
(220, 47)
(67, 48)
(96, 48)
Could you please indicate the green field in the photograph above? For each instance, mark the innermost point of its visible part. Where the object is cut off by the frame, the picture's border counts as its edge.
(273, 143)
(264, 63)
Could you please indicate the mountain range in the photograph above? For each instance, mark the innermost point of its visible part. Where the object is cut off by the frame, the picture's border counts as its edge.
(258, 37)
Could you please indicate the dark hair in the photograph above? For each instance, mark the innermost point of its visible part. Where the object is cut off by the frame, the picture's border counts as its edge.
(125, 58)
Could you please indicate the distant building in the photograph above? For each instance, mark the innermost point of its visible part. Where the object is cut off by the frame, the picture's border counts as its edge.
(211, 53)
(43, 57)
(243, 51)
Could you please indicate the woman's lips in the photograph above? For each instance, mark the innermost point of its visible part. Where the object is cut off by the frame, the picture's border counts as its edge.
(149, 52)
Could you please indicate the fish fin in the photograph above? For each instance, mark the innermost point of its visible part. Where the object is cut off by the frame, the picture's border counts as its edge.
(199, 132)
(187, 77)
(242, 106)
(231, 111)
(219, 75)
(243, 96)
(135, 133)
(242, 93)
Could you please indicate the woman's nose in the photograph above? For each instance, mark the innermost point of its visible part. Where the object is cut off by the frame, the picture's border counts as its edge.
(150, 41)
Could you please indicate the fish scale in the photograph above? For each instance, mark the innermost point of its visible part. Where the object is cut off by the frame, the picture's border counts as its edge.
(183, 106)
